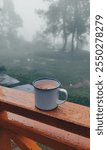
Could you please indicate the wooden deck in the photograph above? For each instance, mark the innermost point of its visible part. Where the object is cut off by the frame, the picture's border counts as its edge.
(64, 128)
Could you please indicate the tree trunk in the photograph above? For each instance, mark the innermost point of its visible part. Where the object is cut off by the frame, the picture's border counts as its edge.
(65, 39)
(77, 42)
(72, 42)
(65, 36)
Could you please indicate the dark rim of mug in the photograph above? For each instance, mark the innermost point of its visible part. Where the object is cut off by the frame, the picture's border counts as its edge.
(46, 78)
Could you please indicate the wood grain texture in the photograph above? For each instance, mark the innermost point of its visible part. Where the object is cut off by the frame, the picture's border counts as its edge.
(68, 116)
(53, 137)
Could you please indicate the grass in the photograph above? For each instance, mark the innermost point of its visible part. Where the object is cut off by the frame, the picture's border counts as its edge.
(66, 67)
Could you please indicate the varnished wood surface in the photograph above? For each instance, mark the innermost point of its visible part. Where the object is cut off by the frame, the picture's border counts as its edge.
(5, 143)
(53, 137)
(68, 116)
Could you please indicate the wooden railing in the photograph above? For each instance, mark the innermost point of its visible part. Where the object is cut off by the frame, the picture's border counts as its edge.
(65, 128)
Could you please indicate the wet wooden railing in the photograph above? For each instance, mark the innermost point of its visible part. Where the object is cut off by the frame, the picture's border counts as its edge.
(65, 128)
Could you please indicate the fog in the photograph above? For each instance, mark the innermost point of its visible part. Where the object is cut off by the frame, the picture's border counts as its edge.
(46, 38)
(1, 3)
(31, 21)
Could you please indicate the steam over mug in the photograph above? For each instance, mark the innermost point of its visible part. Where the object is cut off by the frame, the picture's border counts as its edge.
(47, 93)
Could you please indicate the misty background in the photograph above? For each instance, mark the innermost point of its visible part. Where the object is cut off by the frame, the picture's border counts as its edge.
(47, 38)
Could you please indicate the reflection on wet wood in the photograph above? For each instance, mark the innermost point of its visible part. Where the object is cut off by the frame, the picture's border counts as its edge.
(68, 116)
(46, 126)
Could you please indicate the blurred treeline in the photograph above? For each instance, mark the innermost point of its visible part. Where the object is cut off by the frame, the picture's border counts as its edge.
(66, 27)
(55, 51)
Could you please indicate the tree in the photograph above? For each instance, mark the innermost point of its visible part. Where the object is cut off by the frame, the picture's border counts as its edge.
(40, 42)
(66, 18)
(81, 20)
(55, 20)
(9, 23)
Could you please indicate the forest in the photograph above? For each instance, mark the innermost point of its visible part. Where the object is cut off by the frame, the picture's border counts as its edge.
(59, 50)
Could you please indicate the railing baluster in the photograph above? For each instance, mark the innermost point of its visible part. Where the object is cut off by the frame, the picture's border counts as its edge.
(5, 143)
(24, 143)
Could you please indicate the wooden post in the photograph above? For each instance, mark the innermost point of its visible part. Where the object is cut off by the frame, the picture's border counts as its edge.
(5, 143)
(24, 143)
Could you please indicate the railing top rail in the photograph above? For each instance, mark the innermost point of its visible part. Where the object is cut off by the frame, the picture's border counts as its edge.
(68, 116)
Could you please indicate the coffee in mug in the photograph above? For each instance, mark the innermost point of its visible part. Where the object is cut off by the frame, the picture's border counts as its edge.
(45, 84)
(47, 93)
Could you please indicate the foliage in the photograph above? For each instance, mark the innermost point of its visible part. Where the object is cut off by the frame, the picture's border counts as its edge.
(79, 96)
(2, 69)
(9, 23)
(40, 42)
(57, 65)
(28, 61)
(65, 18)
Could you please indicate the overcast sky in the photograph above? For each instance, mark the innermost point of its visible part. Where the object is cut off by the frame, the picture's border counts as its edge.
(31, 22)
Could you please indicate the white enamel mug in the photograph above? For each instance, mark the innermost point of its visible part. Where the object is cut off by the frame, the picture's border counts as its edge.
(47, 93)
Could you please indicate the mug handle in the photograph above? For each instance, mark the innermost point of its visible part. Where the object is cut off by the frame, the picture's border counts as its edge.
(66, 96)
